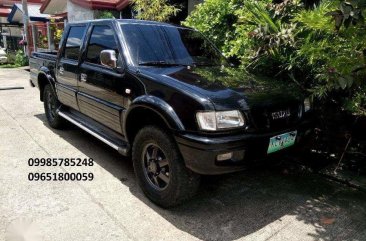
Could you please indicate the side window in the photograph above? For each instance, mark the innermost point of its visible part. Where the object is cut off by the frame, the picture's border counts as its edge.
(73, 42)
(102, 38)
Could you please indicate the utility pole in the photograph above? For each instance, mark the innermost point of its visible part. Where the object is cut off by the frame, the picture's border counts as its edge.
(26, 22)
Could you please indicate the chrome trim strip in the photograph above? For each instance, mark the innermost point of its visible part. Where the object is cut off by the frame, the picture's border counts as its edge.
(78, 124)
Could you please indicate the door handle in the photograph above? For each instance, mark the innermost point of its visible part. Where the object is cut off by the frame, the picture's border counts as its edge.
(61, 70)
(83, 77)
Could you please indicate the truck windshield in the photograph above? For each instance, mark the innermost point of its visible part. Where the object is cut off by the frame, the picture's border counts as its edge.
(156, 45)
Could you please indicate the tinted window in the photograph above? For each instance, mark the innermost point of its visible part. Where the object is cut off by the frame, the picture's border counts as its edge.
(150, 44)
(73, 43)
(102, 38)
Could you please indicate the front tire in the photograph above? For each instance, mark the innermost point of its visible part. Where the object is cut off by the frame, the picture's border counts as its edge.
(51, 105)
(160, 169)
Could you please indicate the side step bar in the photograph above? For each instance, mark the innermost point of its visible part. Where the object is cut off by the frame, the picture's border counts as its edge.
(116, 143)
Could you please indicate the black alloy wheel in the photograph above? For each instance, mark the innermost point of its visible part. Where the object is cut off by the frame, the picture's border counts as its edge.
(160, 169)
(156, 166)
(51, 106)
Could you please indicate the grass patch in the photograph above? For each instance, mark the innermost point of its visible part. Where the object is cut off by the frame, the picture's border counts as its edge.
(9, 66)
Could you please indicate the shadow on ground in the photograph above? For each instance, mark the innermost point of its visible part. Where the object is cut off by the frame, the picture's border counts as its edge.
(233, 206)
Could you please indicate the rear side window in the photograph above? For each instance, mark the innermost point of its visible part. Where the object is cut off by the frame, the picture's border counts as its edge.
(102, 38)
(74, 41)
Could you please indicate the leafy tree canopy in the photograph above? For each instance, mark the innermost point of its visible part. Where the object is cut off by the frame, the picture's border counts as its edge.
(155, 10)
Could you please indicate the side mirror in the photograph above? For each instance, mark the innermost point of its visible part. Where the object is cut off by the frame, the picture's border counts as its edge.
(108, 58)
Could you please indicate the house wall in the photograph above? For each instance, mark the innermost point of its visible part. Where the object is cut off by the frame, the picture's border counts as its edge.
(13, 31)
(3, 19)
(77, 13)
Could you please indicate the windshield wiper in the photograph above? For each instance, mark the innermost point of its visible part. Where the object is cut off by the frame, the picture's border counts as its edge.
(163, 63)
(158, 63)
(204, 64)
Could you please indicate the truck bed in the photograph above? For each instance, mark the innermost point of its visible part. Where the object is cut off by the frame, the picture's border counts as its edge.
(45, 55)
(38, 60)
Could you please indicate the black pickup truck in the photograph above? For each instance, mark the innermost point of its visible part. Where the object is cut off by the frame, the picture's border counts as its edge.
(166, 96)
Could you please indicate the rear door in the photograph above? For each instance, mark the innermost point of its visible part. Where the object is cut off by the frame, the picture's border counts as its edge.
(101, 88)
(68, 66)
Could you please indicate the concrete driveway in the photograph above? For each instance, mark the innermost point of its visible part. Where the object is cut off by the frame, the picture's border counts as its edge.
(258, 204)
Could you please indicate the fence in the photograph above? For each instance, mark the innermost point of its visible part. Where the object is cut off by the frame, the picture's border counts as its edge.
(45, 36)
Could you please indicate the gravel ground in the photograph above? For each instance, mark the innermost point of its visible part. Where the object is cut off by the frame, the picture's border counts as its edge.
(258, 204)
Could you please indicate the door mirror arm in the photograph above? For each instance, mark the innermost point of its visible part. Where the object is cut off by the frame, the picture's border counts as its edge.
(120, 70)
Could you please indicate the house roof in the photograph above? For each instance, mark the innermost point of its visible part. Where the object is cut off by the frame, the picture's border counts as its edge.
(103, 4)
(6, 5)
(4, 11)
(16, 14)
(10, 3)
(57, 6)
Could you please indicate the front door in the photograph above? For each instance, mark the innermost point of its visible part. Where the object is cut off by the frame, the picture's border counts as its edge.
(101, 88)
(67, 67)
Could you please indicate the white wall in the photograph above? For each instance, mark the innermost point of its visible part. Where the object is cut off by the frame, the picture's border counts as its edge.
(77, 13)
(3, 20)
(12, 31)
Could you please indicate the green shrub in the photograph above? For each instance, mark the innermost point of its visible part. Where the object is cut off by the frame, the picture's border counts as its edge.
(104, 15)
(251, 30)
(335, 54)
(11, 57)
(322, 48)
(216, 19)
(156, 10)
(16, 60)
(21, 59)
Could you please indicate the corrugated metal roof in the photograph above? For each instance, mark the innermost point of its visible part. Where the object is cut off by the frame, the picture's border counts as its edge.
(33, 10)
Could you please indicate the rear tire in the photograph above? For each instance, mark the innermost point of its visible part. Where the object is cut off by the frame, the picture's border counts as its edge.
(51, 105)
(160, 169)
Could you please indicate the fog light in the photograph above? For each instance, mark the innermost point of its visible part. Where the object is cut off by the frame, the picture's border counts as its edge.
(225, 156)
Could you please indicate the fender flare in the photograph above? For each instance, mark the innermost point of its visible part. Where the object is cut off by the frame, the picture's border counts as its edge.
(44, 71)
(157, 105)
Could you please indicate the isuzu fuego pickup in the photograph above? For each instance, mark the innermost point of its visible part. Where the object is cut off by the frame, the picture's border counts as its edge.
(166, 96)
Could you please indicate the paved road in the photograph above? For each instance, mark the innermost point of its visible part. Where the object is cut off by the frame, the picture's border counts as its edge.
(259, 204)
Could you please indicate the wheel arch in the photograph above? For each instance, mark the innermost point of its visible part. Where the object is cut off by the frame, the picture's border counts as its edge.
(152, 110)
(45, 78)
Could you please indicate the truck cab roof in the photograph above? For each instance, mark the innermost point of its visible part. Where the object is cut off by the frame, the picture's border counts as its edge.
(127, 21)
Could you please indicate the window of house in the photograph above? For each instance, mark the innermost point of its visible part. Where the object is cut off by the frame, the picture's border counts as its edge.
(102, 38)
(74, 41)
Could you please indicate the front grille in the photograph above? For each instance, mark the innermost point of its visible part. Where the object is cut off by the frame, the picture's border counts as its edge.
(276, 117)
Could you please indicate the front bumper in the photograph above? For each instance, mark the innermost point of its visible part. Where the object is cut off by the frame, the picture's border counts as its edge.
(200, 152)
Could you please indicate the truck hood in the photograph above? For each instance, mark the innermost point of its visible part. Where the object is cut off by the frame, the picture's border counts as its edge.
(227, 88)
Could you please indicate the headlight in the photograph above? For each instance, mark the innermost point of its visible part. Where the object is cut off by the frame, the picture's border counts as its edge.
(307, 104)
(218, 120)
